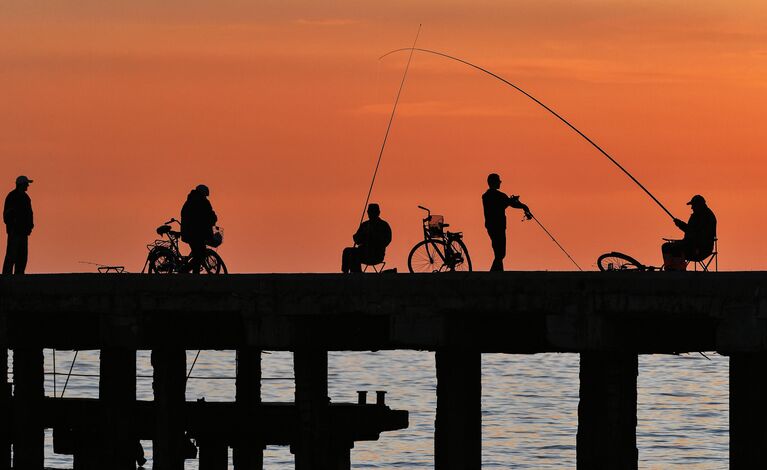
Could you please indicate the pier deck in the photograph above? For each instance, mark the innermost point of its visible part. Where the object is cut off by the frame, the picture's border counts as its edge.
(608, 318)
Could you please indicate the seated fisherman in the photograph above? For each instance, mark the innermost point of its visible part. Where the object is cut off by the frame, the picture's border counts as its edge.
(698, 241)
(371, 240)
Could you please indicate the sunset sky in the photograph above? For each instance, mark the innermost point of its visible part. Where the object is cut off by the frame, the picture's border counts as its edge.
(117, 109)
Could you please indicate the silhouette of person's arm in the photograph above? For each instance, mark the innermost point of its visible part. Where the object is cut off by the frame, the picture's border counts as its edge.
(386, 234)
(681, 224)
(8, 212)
(517, 204)
(358, 235)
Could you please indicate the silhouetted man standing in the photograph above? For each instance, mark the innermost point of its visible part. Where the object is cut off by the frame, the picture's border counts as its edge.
(197, 221)
(698, 241)
(495, 203)
(17, 215)
(372, 238)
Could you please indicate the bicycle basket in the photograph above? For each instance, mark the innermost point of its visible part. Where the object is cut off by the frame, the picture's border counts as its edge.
(436, 225)
(162, 243)
(218, 237)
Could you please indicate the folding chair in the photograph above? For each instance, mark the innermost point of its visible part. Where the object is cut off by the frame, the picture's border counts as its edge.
(706, 262)
(378, 267)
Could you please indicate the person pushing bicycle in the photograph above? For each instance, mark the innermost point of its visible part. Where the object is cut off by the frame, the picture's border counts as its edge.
(197, 221)
(494, 203)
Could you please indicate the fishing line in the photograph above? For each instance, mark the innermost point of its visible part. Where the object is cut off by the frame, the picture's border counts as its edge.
(544, 107)
(555, 241)
(71, 366)
(388, 127)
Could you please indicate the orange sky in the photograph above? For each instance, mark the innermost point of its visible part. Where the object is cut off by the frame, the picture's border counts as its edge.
(117, 109)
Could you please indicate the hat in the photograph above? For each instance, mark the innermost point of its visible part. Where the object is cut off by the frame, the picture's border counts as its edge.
(23, 180)
(697, 199)
(203, 189)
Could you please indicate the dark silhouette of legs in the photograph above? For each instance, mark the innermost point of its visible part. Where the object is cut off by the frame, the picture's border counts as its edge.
(197, 257)
(674, 255)
(350, 260)
(498, 240)
(16, 254)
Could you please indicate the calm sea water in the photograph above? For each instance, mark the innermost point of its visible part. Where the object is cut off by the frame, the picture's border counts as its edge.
(529, 405)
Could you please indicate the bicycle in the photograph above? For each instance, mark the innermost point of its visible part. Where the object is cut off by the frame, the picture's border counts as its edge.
(617, 261)
(165, 257)
(439, 250)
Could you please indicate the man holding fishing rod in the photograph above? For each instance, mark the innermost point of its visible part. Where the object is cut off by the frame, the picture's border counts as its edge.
(698, 241)
(370, 242)
(495, 203)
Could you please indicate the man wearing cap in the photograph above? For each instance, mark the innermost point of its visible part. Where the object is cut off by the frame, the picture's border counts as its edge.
(17, 215)
(698, 241)
(494, 203)
(197, 221)
(371, 240)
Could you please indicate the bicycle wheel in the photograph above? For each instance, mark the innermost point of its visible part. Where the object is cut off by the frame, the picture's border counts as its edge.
(212, 264)
(427, 256)
(460, 259)
(615, 261)
(161, 260)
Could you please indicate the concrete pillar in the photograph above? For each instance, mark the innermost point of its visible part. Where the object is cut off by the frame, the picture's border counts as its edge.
(169, 398)
(248, 452)
(5, 412)
(607, 412)
(748, 411)
(214, 454)
(458, 427)
(117, 393)
(315, 449)
(29, 436)
(85, 455)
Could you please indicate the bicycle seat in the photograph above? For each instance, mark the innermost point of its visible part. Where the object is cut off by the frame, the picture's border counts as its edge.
(163, 229)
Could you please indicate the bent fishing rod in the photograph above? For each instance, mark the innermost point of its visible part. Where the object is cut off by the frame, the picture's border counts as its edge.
(388, 127)
(540, 103)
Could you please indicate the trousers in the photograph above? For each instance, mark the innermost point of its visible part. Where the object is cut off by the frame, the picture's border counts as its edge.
(498, 241)
(16, 254)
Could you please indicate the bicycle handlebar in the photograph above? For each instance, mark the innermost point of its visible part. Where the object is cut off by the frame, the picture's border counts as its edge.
(171, 221)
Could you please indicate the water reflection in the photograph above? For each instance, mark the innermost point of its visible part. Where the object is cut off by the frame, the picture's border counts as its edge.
(529, 405)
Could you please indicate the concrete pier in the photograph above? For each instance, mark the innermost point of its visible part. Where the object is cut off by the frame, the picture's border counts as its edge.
(117, 392)
(169, 397)
(607, 412)
(27, 400)
(458, 426)
(248, 452)
(748, 410)
(608, 318)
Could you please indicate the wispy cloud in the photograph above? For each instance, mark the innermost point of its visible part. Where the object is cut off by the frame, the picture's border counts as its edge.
(327, 21)
(441, 108)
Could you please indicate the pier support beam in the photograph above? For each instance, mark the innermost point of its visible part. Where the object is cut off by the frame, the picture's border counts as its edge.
(458, 427)
(214, 454)
(748, 411)
(169, 397)
(28, 394)
(315, 449)
(248, 452)
(5, 412)
(117, 392)
(607, 412)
